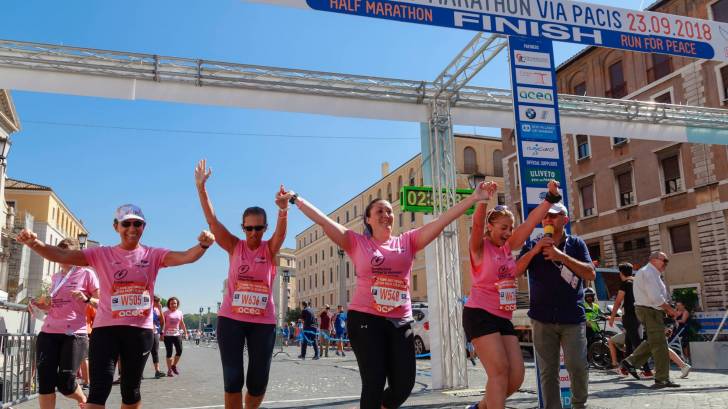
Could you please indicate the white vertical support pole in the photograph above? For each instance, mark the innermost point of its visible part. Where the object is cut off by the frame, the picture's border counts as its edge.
(342, 278)
(447, 341)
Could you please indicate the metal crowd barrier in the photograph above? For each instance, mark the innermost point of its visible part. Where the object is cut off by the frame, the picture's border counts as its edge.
(17, 362)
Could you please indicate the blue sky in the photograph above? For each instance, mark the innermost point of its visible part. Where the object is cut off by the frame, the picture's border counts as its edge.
(94, 168)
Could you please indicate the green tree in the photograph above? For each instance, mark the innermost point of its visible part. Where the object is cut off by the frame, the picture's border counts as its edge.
(293, 315)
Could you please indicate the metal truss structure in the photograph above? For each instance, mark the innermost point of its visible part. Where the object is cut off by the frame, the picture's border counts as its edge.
(82, 71)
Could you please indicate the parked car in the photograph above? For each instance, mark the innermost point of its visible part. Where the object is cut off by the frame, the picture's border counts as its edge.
(421, 328)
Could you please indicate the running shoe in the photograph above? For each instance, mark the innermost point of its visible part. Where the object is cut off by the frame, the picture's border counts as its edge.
(159, 374)
(174, 369)
(630, 368)
(315, 358)
(647, 374)
(473, 406)
(665, 384)
(685, 370)
(169, 373)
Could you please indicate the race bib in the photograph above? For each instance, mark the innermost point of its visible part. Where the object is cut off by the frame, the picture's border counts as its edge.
(507, 294)
(389, 293)
(250, 297)
(130, 299)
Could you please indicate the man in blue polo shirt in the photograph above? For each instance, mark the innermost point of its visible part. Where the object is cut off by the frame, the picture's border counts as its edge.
(557, 267)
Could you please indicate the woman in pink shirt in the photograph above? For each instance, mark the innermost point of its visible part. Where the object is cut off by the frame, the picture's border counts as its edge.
(487, 313)
(380, 312)
(173, 328)
(123, 325)
(247, 314)
(63, 340)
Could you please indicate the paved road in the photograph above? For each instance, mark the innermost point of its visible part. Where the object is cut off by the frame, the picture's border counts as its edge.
(334, 383)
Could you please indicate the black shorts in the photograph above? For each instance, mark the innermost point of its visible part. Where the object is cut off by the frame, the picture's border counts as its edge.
(478, 322)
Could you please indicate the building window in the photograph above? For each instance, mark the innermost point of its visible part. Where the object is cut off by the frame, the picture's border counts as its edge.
(389, 192)
(670, 167)
(661, 66)
(583, 150)
(347, 216)
(315, 258)
(347, 296)
(680, 238)
(399, 187)
(315, 280)
(412, 217)
(323, 278)
(331, 251)
(580, 89)
(347, 269)
(414, 282)
(411, 177)
(720, 10)
(309, 283)
(323, 254)
(664, 98)
(401, 219)
(617, 141)
(331, 298)
(625, 189)
(355, 213)
(331, 275)
(724, 83)
(502, 199)
(498, 163)
(587, 199)
(616, 81)
(471, 164)
(516, 175)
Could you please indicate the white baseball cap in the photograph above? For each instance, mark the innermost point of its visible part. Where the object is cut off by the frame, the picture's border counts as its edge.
(557, 208)
(128, 211)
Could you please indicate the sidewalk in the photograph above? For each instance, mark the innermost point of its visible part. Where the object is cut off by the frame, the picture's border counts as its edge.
(334, 383)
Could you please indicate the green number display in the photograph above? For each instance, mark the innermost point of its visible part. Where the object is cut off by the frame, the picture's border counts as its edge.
(420, 198)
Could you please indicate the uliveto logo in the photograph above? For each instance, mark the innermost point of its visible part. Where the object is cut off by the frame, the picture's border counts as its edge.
(545, 150)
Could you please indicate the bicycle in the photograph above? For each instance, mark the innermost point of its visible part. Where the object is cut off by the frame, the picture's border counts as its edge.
(597, 352)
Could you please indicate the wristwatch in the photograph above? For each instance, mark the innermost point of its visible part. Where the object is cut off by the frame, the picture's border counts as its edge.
(293, 198)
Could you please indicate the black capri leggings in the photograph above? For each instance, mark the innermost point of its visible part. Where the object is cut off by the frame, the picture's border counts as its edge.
(58, 357)
(384, 353)
(232, 335)
(131, 345)
(155, 349)
(170, 342)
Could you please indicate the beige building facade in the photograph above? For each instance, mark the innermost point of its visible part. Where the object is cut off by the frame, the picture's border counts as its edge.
(52, 221)
(319, 260)
(9, 124)
(628, 197)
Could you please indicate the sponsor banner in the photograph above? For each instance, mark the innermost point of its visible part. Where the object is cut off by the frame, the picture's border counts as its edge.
(539, 132)
(541, 176)
(532, 59)
(530, 95)
(535, 195)
(564, 382)
(552, 20)
(541, 150)
(534, 77)
(533, 113)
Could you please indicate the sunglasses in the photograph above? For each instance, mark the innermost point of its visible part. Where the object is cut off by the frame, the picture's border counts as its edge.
(135, 223)
(256, 228)
(664, 260)
(500, 208)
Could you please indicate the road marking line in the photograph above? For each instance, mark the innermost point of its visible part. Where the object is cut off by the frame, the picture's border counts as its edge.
(278, 401)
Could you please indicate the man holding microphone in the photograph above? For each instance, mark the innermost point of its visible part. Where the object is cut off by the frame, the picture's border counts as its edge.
(557, 265)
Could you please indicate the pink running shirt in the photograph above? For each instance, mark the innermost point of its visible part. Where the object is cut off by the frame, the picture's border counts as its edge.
(126, 281)
(68, 315)
(171, 323)
(383, 274)
(250, 285)
(494, 281)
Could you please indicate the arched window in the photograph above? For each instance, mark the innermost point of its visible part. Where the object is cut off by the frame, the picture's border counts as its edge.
(399, 186)
(389, 192)
(498, 163)
(411, 177)
(470, 163)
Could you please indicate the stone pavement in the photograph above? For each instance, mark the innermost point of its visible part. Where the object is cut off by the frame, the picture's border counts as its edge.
(334, 383)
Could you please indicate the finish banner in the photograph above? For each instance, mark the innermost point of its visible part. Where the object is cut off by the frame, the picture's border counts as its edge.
(557, 20)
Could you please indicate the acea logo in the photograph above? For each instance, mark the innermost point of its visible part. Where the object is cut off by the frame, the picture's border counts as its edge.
(544, 150)
(535, 96)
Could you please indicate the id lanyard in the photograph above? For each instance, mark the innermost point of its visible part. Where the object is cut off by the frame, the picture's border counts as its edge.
(57, 288)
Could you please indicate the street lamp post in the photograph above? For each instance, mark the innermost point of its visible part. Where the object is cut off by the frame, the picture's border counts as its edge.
(342, 277)
(286, 281)
(200, 324)
(82, 237)
(4, 150)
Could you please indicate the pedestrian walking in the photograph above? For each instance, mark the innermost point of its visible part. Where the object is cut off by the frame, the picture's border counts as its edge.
(558, 264)
(247, 316)
(651, 301)
(380, 313)
(309, 332)
(63, 340)
(173, 330)
(158, 322)
(625, 301)
(489, 309)
(127, 273)
(325, 328)
(340, 328)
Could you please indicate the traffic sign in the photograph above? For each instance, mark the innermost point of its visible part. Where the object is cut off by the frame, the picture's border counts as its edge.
(557, 20)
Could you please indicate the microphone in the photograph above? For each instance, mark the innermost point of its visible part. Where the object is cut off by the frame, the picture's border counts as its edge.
(548, 231)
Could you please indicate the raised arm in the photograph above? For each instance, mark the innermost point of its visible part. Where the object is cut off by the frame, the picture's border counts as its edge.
(177, 258)
(279, 235)
(524, 230)
(51, 253)
(335, 231)
(224, 238)
(431, 230)
(478, 232)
